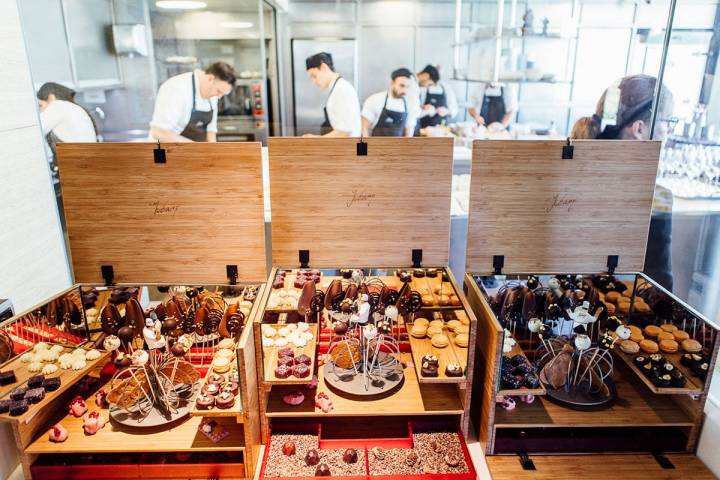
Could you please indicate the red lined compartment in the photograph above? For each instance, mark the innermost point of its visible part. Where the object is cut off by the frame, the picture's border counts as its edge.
(365, 444)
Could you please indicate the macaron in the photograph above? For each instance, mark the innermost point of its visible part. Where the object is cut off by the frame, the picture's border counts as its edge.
(691, 346)
(648, 346)
(440, 341)
(669, 346)
(462, 340)
(628, 346)
(652, 331)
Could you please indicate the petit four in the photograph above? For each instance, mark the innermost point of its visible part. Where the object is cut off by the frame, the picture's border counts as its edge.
(453, 370)
(5, 405)
(430, 359)
(429, 370)
(301, 370)
(93, 422)
(18, 393)
(58, 433)
(51, 384)
(283, 371)
(35, 395)
(303, 359)
(35, 381)
(7, 377)
(18, 407)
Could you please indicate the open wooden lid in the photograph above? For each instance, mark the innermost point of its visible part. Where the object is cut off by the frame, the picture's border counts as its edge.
(544, 213)
(182, 221)
(354, 210)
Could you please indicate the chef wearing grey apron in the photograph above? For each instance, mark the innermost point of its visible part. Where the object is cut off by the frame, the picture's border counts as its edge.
(341, 112)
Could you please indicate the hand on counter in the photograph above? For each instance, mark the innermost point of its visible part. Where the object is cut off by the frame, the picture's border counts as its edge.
(442, 111)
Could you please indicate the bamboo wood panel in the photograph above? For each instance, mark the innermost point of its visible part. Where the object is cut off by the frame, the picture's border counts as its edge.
(599, 467)
(360, 210)
(185, 219)
(486, 361)
(546, 214)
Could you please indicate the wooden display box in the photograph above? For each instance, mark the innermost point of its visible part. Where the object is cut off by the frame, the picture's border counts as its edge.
(353, 438)
(381, 212)
(142, 215)
(534, 212)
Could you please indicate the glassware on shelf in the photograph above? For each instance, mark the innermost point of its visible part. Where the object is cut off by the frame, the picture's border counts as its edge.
(690, 168)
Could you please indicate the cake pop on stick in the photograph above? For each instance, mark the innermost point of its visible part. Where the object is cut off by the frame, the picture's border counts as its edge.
(582, 343)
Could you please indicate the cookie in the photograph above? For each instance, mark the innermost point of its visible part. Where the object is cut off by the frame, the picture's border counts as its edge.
(461, 340)
(648, 346)
(665, 336)
(668, 327)
(652, 331)
(669, 346)
(680, 335)
(439, 341)
(628, 346)
(691, 346)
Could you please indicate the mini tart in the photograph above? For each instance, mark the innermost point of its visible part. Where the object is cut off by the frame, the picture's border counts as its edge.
(221, 364)
(225, 400)
(439, 341)
(668, 327)
(462, 339)
(421, 321)
(204, 402)
(628, 346)
(430, 359)
(652, 331)
(648, 346)
(428, 370)
(433, 330)
(691, 346)
(418, 331)
(665, 336)
(669, 346)
(680, 335)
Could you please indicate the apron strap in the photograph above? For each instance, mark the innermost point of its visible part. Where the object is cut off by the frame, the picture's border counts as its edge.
(332, 89)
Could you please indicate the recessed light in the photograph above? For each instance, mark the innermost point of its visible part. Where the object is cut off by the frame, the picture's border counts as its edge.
(236, 24)
(180, 4)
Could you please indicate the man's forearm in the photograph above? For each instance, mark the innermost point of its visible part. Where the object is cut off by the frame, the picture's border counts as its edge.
(168, 135)
(365, 127)
(212, 136)
(337, 133)
(507, 118)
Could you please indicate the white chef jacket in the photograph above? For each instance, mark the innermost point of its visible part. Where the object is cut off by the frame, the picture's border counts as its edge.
(452, 104)
(68, 121)
(373, 106)
(509, 93)
(173, 104)
(343, 108)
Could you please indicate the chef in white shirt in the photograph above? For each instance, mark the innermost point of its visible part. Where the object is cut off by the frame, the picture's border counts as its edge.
(437, 100)
(186, 104)
(388, 113)
(61, 118)
(342, 107)
(493, 105)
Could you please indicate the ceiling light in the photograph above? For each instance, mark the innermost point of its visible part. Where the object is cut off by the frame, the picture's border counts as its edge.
(236, 24)
(180, 4)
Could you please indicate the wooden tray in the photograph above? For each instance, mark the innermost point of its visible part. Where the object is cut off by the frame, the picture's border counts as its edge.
(67, 379)
(270, 359)
(360, 210)
(516, 350)
(694, 385)
(235, 411)
(412, 398)
(203, 191)
(526, 201)
(450, 354)
(182, 436)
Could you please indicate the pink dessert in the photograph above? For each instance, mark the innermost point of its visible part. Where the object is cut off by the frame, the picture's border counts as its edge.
(58, 433)
(77, 406)
(323, 402)
(100, 398)
(294, 398)
(92, 422)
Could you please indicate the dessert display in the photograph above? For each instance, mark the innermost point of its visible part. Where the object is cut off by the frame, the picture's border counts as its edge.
(289, 350)
(291, 455)
(437, 453)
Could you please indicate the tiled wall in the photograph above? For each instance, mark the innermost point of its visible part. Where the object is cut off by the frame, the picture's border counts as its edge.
(32, 254)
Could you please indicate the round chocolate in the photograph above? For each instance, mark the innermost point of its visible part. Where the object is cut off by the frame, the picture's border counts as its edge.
(288, 448)
(322, 470)
(341, 328)
(452, 460)
(350, 456)
(126, 334)
(178, 350)
(312, 457)
(169, 325)
(411, 458)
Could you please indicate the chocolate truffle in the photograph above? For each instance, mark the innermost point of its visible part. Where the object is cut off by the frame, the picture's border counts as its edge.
(18, 407)
(178, 350)
(341, 328)
(322, 470)
(288, 448)
(51, 384)
(35, 395)
(312, 457)
(350, 456)
(35, 381)
(411, 458)
(5, 405)
(6, 378)
(18, 393)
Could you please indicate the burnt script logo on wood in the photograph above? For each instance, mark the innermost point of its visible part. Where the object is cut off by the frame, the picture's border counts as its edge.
(561, 202)
(158, 209)
(360, 197)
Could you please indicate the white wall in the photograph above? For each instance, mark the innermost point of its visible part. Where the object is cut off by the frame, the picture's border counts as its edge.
(32, 252)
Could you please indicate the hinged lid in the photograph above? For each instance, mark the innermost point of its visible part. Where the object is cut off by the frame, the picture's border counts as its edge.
(184, 221)
(367, 210)
(544, 213)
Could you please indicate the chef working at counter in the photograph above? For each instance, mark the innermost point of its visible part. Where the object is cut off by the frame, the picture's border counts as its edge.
(61, 118)
(342, 107)
(387, 113)
(186, 104)
(437, 100)
(493, 105)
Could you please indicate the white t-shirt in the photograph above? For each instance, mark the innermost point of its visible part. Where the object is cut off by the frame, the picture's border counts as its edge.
(343, 108)
(509, 94)
(452, 104)
(373, 106)
(173, 104)
(68, 121)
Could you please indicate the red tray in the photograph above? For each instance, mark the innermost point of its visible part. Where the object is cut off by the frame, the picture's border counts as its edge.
(165, 471)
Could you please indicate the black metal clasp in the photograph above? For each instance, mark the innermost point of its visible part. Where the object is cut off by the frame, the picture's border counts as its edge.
(304, 257)
(612, 263)
(568, 150)
(108, 274)
(417, 255)
(498, 264)
(232, 274)
(159, 154)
